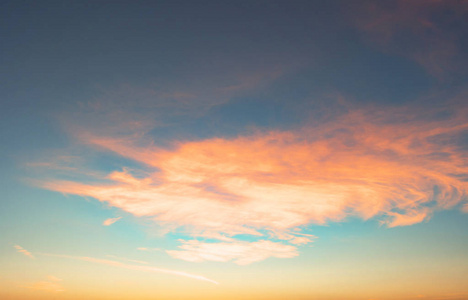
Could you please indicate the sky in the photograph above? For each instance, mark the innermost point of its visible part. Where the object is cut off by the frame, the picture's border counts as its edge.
(234, 150)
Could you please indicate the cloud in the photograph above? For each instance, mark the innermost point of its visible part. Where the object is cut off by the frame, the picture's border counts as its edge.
(132, 267)
(58, 162)
(163, 105)
(409, 218)
(465, 208)
(391, 164)
(148, 249)
(129, 260)
(422, 30)
(111, 221)
(242, 253)
(24, 251)
(50, 285)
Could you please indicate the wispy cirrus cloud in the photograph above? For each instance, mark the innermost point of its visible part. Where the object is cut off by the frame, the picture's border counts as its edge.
(148, 249)
(392, 164)
(242, 253)
(422, 30)
(128, 259)
(110, 221)
(132, 267)
(154, 106)
(23, 251)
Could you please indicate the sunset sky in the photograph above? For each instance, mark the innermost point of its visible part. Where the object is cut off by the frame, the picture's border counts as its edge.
(234, 150)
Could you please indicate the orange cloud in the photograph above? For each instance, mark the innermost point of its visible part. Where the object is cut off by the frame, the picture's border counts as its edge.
(394, 165)
(111, 221)
(24, 251)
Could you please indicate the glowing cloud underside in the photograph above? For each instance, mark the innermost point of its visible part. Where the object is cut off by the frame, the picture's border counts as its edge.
(270, 184)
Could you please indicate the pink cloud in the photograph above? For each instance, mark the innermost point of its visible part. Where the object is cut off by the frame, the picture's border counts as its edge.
(111, 221)
(242, 253)
(392, 164)
(415, 29)
(23, 251)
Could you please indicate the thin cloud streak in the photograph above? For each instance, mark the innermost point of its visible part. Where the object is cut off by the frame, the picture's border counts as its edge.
(132, 267)
(23, 251)
(148, 249)
(111, 221)
(128, 259)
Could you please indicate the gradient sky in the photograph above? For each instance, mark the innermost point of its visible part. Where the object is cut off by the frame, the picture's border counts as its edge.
(234, 150)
